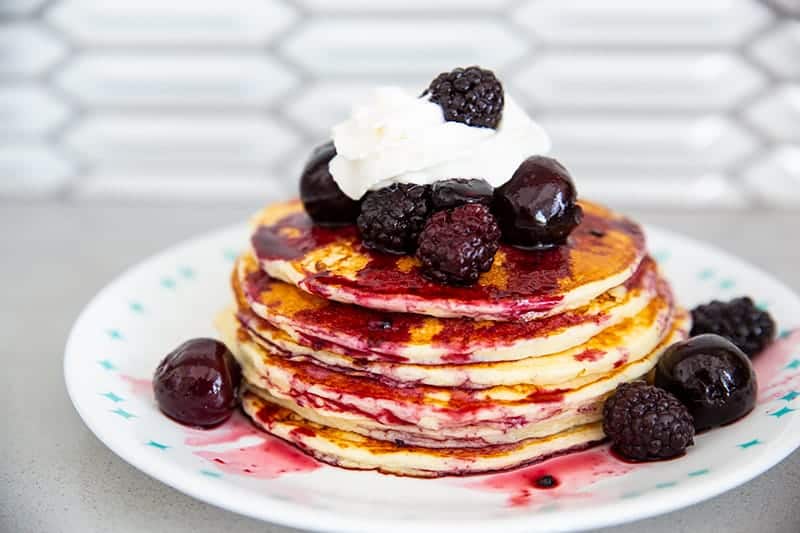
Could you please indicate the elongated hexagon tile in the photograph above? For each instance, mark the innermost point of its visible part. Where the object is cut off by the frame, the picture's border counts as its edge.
(29, 111)
(32, 170)
(633, 22)
(645, 142)
(175, 79)
(776, 177)
(401, 46)
(27, 50)
(664, 190)
(253, 188)
(325, 103)
(359, 6)
(652, 80)
(779, 50)
(200, 144)
(291, 166)
(19, 7)
(777, 114)
(149, 22)
(789, 6)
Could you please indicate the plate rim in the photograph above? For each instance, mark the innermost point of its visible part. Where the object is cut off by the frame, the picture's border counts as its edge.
(297, 515)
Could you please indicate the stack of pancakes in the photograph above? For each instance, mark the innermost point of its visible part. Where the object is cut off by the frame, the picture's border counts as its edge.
(360, 361)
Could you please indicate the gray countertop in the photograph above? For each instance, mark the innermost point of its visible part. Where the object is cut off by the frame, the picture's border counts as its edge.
(56, 476)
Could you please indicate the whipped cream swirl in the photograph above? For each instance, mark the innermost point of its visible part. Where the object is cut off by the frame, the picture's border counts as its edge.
(395, 137)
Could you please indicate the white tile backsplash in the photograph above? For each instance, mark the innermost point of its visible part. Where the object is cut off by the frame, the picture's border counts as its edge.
(321, 105)
(27, 50)
(402, 6)
(175, 80)
(196, 143)
(170, 188)
(775, 178)
(663, 190)
(396, 47)
(200, 23)
(791, 7)
(19, 7)
(29, 112)
(630, 23)
(32, 170)
(673, 81)
(703, 143)
(680, 104)
(777, 114)
(779, 50)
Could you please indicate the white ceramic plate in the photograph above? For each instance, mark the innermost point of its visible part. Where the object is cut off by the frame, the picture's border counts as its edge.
(124, 332)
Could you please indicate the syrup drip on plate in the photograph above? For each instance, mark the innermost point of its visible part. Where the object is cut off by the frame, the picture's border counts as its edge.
(267, 461)
(236, 446)
(774, 377)
(266, 458)
(140, 387)
(561, 477)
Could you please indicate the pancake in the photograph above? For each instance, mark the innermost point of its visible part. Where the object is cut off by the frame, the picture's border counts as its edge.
(601, 253)
(634, 336)
(421, 407)
(314, 324)
(477, 436)
(350, 450)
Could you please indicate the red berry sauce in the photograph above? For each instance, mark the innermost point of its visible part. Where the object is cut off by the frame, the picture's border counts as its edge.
(524, 280)
(564, 476)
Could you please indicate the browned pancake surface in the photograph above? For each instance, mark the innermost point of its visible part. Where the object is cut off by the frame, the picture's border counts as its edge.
(387, 331)
(330, 260)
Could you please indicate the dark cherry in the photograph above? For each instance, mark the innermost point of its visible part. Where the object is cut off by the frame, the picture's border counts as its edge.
(711, 377)
(447, 194)
(322, 198)
(197, 384)
(537, 207)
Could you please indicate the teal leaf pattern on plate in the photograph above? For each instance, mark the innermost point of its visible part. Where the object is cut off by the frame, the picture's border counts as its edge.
(106, 364)
(750, 444)
(783, 411)
(789, 396)
(123, 413)
(113, 397)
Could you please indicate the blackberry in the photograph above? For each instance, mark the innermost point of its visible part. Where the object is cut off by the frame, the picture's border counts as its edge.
(472, 96)
(446, 194)
(458, 244)
(392, 218)
(546, 482)
(739, 321)
(646, 423)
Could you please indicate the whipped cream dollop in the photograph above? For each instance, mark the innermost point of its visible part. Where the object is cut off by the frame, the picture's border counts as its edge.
(396, 137)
